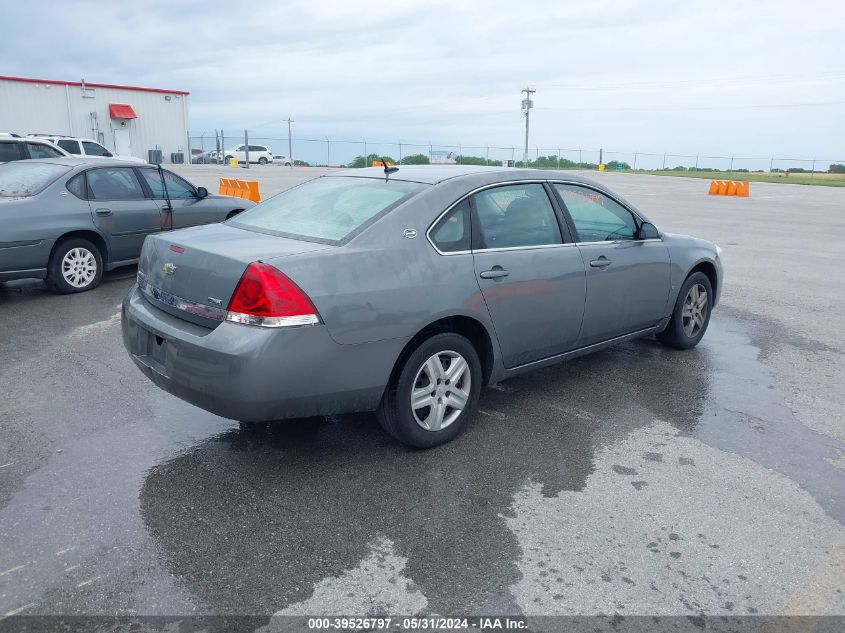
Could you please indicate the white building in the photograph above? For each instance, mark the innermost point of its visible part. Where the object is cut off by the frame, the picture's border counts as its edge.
(126, 119)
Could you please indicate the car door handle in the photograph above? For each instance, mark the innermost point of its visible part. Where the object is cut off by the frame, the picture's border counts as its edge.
(601, 262)
(102, 211)
(497, 272)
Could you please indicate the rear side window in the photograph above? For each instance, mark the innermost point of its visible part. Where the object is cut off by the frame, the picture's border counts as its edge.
(39, 150)
(516, 216)
(76, 186)
(10, 151)
(327, 209)
(69, 145)
(257, 148)
(452, 232)
(95, 149)
(28, 179)
(115, 183)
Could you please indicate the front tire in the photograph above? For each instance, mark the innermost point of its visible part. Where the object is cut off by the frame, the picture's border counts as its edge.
(691, 315)
(76, 265)
(262, 161)
(434, 392)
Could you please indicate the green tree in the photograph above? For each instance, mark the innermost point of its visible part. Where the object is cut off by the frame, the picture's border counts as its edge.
(471, 160)
(361, 161)
(415, 159)
(836, 168)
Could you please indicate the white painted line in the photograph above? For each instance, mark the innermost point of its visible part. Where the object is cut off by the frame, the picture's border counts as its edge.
(66, 550)
(9, 571)
(87, 582)
(18, 610)
(71, 568)
(9, 464)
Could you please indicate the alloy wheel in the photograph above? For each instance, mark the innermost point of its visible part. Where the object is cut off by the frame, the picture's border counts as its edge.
(694, 312)
(441, 390)
(79, 267)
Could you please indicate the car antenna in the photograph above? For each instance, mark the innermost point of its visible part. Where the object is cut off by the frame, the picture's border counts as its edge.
(169, 207)
(392, 169)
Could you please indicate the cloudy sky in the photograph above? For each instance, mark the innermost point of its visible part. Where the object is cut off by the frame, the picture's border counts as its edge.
(722, 78)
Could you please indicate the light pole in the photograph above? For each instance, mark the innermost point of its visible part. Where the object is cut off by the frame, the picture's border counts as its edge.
(527, 104)
(290, 145)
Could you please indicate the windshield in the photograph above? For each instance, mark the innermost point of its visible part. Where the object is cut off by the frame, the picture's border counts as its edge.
(21, 179)
(327, 209)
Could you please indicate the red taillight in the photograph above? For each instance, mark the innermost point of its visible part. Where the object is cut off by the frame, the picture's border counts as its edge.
(264, 296)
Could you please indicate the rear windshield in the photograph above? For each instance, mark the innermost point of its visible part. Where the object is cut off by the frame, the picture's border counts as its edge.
(27, 179)
(327, 209)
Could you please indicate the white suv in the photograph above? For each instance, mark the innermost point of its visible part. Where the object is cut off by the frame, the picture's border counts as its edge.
(84, 147)
(257, 154)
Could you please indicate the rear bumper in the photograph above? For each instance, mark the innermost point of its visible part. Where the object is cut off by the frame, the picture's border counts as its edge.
(255, 374)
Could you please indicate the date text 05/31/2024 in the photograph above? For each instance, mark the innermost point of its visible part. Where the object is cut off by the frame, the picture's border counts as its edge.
(416, 623)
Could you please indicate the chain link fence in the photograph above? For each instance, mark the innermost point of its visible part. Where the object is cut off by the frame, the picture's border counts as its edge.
(328, 152)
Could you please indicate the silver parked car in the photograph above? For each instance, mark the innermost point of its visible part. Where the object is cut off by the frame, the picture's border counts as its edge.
(67, 220)
(404, 292)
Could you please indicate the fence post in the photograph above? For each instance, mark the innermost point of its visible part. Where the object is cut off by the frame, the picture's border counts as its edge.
(460, 155)
(731, 168)
(513, 149)
(664, 161)
(813, 168)
(487, 157)
(400, 152)
(246, 148)
(366, 156)
(222, 155)
(771, 164)
(430, 151)
(696, 162)
(328, 152)
(579, 158)
(558, 158)
(635, 160)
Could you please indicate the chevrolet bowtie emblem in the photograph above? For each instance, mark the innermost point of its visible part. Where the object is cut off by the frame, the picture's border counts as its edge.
(169, 268)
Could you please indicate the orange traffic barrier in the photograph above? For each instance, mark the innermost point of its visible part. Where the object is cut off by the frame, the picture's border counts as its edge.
(736, 188)
(247, 189)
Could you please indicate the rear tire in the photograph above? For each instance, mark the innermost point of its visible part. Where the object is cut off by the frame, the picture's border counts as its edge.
(691, 315)
(444, 376)
(75, 266)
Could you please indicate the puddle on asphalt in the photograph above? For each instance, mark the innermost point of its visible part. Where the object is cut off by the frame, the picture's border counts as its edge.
(250, 521)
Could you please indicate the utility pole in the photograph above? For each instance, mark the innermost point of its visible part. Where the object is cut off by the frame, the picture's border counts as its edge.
(290, 145)
(527, 104)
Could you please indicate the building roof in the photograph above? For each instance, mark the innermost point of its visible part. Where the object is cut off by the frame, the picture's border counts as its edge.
(90, 85)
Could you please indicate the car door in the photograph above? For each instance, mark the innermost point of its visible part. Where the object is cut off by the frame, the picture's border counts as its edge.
(628, 279)
(186, 207)
(530, 273)
(121, 210)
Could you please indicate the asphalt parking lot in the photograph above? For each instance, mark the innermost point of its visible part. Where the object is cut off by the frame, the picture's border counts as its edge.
(638, 480)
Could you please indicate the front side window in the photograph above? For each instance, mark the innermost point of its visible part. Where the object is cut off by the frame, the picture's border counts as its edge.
(328, 209)
(597, 218)
(257, 148)
(95, 149)
(39, 150)
(452, 231)
(176, 187)
(514, 216)
(27, 179)
(69, 145)
(114, 183)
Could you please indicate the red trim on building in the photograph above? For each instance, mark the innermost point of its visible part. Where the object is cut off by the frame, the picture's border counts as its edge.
(121, 111)
(90, 85)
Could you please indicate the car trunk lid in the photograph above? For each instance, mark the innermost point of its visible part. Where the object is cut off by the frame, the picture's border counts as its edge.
(193, 272)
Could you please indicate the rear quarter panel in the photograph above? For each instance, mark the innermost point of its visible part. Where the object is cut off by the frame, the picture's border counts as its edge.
(30, 226)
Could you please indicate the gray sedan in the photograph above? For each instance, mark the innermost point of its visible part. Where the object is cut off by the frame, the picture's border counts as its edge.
(404, 291)
(69, 219)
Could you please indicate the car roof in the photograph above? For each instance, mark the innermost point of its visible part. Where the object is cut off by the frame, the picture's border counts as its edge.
(433, 174)
(74, 161)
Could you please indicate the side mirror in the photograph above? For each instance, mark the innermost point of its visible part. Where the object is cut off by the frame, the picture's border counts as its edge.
(202, 192)
(648, 231)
